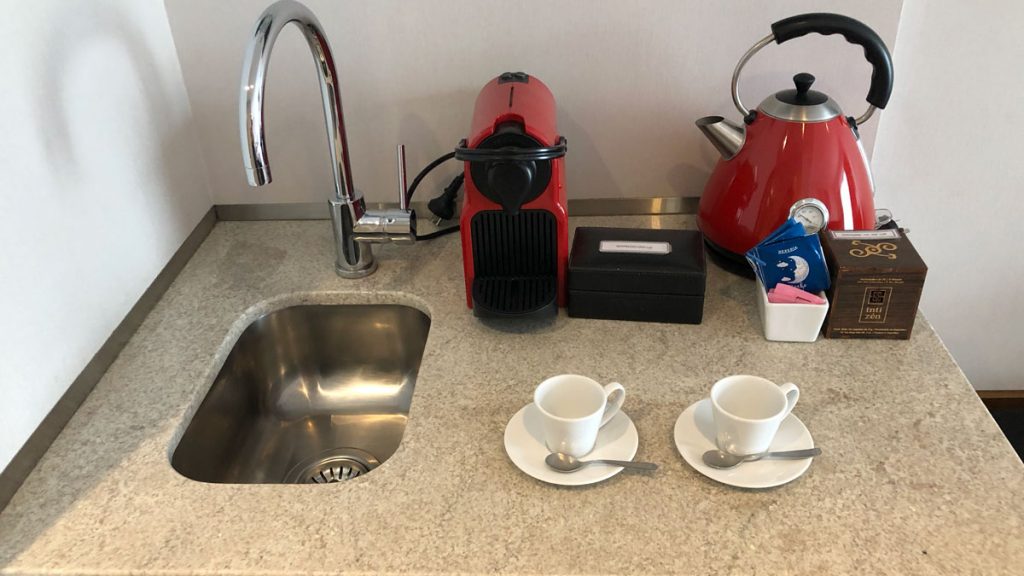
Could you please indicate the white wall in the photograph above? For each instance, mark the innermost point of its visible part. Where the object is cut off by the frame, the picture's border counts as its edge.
(630, 78)
(948, 161)
(100, 182)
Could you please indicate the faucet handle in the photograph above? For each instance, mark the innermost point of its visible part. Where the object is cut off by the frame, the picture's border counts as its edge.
(403, 195)
(389, 225)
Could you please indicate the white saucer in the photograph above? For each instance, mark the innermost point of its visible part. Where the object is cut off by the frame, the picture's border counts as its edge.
(695, 434)
(524, 442)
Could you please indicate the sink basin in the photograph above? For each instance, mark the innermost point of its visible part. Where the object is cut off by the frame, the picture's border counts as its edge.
(308, 394)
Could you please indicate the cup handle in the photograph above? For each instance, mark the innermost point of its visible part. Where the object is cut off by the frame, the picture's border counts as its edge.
(792, 395)
(615, 395)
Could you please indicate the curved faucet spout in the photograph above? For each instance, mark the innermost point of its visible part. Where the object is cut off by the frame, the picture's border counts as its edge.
(355, 229)
(269, 25)
(254, 76)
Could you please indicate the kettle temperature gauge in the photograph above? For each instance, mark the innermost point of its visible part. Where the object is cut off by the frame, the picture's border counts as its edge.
(810, 212)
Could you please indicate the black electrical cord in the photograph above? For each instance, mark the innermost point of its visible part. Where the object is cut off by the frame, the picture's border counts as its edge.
(444, 205)
(438, 233)
(423, 174)
(444, 208)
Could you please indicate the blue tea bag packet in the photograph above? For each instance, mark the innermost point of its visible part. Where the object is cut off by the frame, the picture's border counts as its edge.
(789, 255)
(790, 229)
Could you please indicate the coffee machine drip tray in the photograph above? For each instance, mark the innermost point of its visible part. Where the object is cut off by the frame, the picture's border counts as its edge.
(515, 263)
(514, 296)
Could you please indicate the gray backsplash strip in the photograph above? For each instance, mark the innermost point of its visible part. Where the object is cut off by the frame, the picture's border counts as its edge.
(577, 207)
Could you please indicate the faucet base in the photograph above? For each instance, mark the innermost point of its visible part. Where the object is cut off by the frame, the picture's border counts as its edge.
(351, 274)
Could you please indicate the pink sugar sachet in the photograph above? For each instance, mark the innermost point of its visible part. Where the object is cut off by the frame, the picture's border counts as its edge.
(786, 294)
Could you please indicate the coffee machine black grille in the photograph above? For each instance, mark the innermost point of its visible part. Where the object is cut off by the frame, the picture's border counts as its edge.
(514, 261)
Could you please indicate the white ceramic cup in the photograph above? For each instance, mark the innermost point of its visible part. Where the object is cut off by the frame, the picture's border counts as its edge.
(748, 411)
(573, 408)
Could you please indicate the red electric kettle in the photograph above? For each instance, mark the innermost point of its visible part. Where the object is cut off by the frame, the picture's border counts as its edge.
(797, 155)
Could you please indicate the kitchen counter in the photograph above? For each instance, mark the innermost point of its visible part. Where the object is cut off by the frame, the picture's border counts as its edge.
(915, 477)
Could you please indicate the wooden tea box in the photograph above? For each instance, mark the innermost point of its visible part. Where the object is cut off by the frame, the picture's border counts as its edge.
(877, 278)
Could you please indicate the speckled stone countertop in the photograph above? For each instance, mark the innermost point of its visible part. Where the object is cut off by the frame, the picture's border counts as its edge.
(916, 477)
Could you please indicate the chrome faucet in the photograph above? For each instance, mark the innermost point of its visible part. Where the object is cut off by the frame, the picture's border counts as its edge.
(355, 228)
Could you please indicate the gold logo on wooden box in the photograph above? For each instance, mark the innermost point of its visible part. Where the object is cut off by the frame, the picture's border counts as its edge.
(875, 306)
(883, 249)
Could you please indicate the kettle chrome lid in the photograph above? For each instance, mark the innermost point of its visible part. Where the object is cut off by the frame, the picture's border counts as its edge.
(804, 104)
(801, 104)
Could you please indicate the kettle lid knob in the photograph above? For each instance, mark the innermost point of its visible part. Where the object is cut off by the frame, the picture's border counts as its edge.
(802, 96)
(803, 83)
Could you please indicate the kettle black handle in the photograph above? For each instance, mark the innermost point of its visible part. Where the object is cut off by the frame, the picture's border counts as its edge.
(855, 32)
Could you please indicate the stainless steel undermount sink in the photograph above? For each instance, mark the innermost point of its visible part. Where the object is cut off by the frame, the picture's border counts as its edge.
(308, 394)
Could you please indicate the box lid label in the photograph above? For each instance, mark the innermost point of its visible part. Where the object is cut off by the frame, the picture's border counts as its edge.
(865, 234)
(634, 247)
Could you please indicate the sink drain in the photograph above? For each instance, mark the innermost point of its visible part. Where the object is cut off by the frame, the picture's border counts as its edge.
(336, 470)
(332, 466)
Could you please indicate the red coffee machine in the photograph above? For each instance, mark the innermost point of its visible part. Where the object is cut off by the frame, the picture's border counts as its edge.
(514, 223)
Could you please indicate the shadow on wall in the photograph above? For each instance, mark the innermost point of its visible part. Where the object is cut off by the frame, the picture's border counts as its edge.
(429, 142)
(58, 104)
(582, 154)
(428, 138)
(683, 179)
(426, 142)
(58, 117)
(590, 172)
(689, 178)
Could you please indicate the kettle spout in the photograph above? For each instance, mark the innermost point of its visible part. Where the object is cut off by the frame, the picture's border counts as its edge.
(727, 137)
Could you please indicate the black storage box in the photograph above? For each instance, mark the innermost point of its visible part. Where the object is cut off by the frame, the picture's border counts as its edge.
(637, 274)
